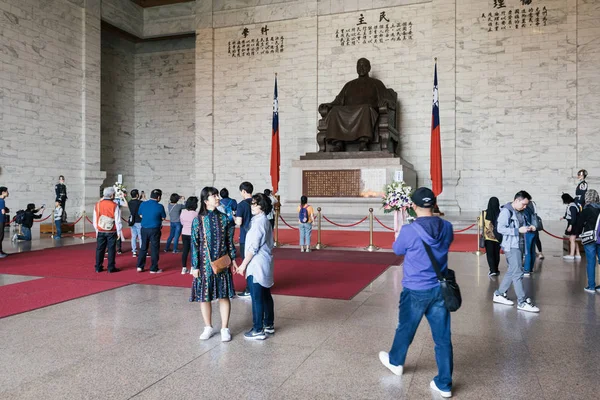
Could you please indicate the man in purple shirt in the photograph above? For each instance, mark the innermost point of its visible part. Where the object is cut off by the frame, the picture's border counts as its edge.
(421, 294)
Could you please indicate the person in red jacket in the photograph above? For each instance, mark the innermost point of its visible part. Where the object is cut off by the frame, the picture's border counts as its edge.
(107, 222)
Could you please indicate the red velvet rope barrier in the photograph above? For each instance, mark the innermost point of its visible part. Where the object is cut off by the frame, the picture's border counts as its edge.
(344, 226)
(382, 224)
(466, 229)
(41, 220)
(554, 236)
(283, 220)
(86, 217)
(74, 223)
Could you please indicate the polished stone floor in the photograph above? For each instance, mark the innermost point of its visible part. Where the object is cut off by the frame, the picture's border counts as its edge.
(141, 342)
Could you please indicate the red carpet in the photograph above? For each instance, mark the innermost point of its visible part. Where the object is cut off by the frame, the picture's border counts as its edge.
(27, 296)
(307, 275)
(463, 242)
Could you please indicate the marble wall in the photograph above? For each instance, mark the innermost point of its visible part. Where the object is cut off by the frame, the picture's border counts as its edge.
(516, 104)
(50, 108)
(118, 108)
(164, 117)
(243, 90)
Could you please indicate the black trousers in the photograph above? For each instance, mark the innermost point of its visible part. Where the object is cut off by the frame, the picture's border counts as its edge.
(187, 241)
(492, 252)
(150, 238)
(538, 242)
(106, 239)
(1, 232)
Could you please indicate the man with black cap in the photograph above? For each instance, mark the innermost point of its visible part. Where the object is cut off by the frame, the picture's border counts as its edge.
(421, 295)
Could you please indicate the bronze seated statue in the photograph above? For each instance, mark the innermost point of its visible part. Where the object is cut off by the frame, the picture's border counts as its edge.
(362, 116)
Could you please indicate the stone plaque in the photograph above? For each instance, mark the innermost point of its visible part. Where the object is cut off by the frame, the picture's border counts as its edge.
(331, 183)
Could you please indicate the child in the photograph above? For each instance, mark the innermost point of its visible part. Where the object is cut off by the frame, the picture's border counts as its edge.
(305, 218)
(58, 212)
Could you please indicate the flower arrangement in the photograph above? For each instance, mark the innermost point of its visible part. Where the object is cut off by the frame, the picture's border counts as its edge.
(119, 188)
(396, 197)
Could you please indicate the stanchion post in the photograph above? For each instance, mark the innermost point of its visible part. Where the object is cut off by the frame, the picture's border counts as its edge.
(478, 252)
(319, 245)
(53, 231)
(371, 246)
(277, 243)
(83, 230)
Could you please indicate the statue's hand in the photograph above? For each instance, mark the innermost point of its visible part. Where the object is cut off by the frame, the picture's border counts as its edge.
(324, 109)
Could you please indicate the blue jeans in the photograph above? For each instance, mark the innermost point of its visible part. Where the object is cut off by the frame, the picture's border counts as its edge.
(263, 311)
(592, 252)
(174, 234)
(25, 234)
(430, 303)
(305, 231)
(530, 240)
(58, 223)
(136, 235)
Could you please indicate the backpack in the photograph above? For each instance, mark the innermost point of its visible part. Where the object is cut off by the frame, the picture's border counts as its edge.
(303, 214)
(20, 217)
(228, 210)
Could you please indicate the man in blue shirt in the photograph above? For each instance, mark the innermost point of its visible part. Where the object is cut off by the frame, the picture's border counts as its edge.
(3, 195)
(422, 295)
(152, 214)
(243, 216)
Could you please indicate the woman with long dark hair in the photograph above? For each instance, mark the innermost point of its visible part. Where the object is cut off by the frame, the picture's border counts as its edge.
(258, 266)
(491, 235)
(571, 214)
(587, 222)
(212, 238)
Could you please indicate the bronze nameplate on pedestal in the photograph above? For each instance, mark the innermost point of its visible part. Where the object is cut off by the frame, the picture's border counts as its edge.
(331, 183)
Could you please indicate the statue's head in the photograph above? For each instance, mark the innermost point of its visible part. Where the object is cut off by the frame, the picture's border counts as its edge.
(363, 67)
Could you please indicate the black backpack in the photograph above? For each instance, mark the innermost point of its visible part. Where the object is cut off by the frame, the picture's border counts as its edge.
(20, 217)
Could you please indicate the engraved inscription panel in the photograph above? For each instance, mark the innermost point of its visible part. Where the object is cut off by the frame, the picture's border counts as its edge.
(331, 183)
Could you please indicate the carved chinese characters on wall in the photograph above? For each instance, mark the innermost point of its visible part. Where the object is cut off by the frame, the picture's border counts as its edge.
(331, 183)
(254, 42)
(371, 29)
(514, 14)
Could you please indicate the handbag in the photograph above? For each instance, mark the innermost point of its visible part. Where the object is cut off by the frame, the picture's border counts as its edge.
(536, 220)
(450, 289)
(482, 237)
(221, 264)
(589, 237)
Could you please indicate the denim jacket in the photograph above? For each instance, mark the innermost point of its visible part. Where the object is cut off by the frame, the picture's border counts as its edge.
(508, 227)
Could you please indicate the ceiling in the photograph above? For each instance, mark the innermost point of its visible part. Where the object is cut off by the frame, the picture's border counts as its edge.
(156, 3)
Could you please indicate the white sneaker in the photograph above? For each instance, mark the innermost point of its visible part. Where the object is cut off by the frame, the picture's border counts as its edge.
(207, 333)
(568, 257)
(578, 257)
(528, 306)
(442, 393)
(301, 249)
(384, 357)
(225, 335)
(527, 274)
(183, 271)
(308, 250)
(589, 290)
(502, 299)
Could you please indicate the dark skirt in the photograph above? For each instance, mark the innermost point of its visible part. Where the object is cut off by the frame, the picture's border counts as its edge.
(212, 287)
(574, 231)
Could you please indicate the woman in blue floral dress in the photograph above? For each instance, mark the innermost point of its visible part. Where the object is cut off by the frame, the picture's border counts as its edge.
(212, 238)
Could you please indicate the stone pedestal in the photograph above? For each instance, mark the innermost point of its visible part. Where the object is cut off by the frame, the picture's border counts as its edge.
(372, 171)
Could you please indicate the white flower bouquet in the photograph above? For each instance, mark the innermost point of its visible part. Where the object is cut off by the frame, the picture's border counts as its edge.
(396, 197)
